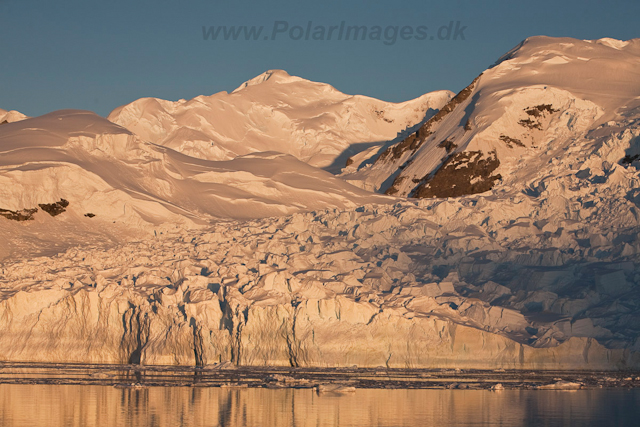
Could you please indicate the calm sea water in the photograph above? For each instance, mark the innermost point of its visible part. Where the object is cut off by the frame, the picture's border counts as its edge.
(87, 405)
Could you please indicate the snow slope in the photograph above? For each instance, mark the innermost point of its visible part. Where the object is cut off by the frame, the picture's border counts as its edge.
(541, 98)
(132, 187)
(10, 116)
(276, 112)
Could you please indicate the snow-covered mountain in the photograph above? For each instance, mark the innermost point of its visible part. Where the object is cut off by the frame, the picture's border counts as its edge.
(98, 180)
(276, 112)
(542, 98)
(522, 253)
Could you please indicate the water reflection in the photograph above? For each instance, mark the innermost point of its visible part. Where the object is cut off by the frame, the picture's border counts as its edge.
(84, 405)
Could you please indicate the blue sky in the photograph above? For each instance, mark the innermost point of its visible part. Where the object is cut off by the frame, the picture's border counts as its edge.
(99, 55)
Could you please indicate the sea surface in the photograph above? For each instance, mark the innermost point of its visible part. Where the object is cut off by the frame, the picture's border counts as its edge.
(100, 405)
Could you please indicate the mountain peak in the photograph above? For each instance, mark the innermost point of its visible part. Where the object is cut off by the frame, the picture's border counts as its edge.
(598, 48)
(273, 76)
